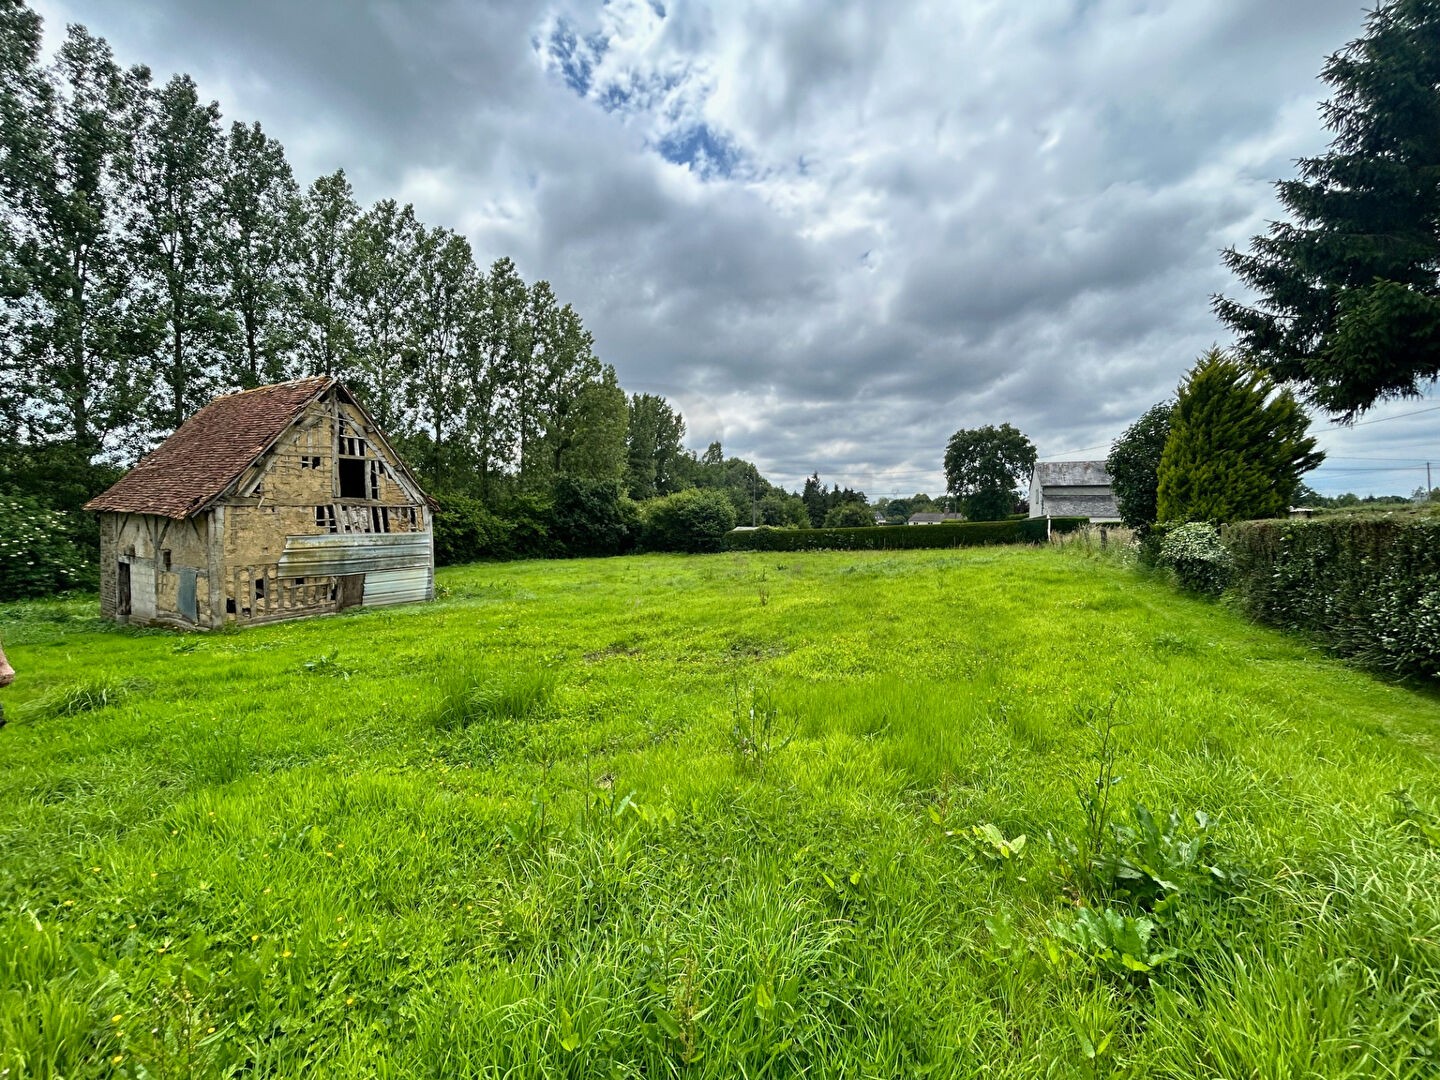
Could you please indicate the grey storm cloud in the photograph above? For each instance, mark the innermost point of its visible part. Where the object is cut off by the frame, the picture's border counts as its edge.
(831, 234)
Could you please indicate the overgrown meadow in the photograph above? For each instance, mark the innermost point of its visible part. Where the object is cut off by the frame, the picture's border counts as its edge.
(1011, 812)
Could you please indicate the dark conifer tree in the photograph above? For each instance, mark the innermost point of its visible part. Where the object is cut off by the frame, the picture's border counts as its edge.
(1349, 287)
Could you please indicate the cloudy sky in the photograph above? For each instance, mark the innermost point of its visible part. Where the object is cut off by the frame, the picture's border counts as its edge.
(830, 233)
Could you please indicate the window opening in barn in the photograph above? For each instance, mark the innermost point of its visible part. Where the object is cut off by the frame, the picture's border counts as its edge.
(375, 519)
(259, 588)
(310, 461)
(385, 519)
(229, 605)
(165, 558)
(298, 581)
(352, 478)
(374, 480)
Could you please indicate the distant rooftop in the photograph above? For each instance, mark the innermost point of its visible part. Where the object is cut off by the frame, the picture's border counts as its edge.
(1072, 473)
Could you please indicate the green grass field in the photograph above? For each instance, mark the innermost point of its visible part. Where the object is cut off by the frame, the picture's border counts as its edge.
(718, 816)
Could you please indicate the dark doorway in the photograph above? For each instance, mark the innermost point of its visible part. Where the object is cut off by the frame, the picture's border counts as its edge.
(352, 590)
(122, 590)
(352, 478)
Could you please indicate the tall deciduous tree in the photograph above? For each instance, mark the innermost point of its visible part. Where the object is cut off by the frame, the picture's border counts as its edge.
(1349, 287)
(984, 467)
(258, 202)
(448, 297)
(491, 420)
(173, 170)
(325, 334)
(382, 289)
(589, 438)
(1134, 465)
(24, 95)
(1237, 446)
(509, 344)
(654, 436)
(573, 391)
(77, 331)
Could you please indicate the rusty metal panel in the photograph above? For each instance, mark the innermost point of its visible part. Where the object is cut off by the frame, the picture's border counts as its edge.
(353, 553)
(397, 586)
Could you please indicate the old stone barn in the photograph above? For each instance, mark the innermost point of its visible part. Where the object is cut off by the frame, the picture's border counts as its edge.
(275, 503)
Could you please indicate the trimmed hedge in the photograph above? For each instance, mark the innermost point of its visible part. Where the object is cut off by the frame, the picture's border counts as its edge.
(1367, 585)
(900, 537)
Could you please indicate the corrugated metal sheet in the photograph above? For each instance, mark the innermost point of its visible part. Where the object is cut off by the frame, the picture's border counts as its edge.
(397, 586)
(353, 553)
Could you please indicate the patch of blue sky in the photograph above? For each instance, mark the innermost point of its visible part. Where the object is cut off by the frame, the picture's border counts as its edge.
(576, 57)
(701, 148)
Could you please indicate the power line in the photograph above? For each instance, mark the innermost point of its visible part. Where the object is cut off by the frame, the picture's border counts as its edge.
(1078, 449)
(1378, 420)
(1333, 427)
(1405, 460)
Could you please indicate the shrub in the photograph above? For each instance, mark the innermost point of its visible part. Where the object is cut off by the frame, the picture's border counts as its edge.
(849, 515)
(1367, 585)
(529, 518)
(1195, 553)
(693, 520)
(587, 518)
(896, 538)
(466, 532)
(38, 552)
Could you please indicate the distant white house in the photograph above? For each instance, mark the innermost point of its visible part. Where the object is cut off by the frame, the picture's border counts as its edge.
(933, 519)
(1073, 489)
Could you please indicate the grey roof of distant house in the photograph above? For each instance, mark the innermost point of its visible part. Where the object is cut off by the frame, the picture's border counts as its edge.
(1071, 473)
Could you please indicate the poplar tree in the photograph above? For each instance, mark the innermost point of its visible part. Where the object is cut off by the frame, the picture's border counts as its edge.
(1237, 446)
(77, 334)
(491, 422)
(173, 175)
(24, 95)
(447, 303)
(654, 433)
(1348, 287)
(589, 436)
(382, 286)
(258, 197)
(325, 335)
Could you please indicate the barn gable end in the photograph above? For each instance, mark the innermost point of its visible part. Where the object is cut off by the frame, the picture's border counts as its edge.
(222, 521)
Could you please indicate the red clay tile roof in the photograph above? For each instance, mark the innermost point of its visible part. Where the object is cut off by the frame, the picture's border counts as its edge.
(210, 450)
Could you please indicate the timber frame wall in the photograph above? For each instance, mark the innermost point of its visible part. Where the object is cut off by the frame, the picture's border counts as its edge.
(326, 519)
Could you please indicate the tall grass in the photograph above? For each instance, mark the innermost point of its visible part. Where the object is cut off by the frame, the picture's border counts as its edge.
(715, 816)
